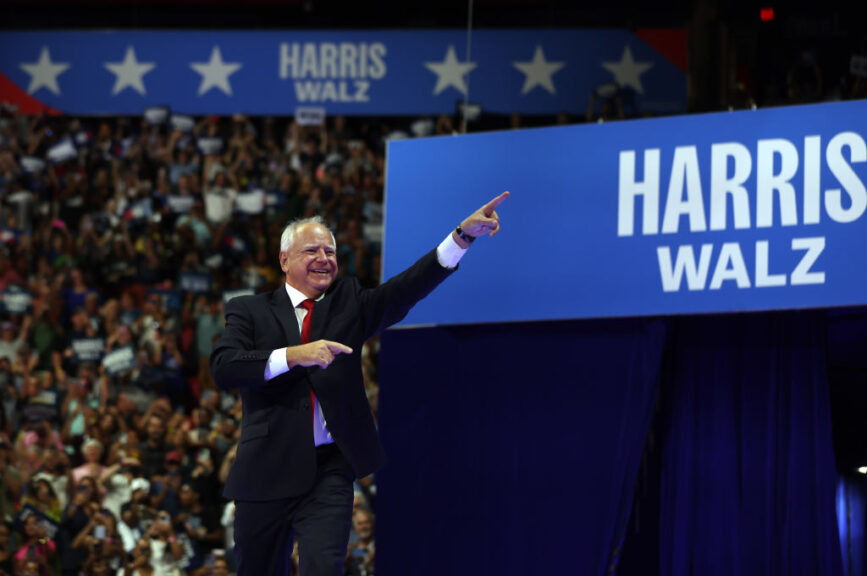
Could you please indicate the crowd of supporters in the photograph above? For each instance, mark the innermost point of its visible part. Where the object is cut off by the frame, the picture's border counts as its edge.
(120, 240)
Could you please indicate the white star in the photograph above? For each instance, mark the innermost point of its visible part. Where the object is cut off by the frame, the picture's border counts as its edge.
(628, 72)
(450, 72)
(538, 72)
(215, 73)
(129, 73)
(44, 73)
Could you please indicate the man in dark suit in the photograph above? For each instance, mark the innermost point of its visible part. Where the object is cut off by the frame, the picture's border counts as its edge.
(307, 430)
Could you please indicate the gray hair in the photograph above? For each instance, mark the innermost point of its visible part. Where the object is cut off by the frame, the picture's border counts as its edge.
(288, 236)
(92, 442)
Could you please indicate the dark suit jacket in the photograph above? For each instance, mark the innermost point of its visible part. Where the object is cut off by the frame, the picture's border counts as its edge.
(276, 457)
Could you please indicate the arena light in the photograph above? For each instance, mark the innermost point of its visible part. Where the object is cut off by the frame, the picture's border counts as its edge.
(766, 14)
(862, 470)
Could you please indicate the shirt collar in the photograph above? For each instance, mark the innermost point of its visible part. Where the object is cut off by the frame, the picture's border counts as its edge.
(297, 297)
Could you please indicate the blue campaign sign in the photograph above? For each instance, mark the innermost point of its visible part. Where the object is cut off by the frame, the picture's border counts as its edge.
(372, 72)
(753, 210)
(120, 360)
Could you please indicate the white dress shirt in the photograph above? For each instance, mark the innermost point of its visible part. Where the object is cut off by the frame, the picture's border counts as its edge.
(449, 253)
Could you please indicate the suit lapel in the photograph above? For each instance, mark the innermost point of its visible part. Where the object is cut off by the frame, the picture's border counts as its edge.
(281, 306)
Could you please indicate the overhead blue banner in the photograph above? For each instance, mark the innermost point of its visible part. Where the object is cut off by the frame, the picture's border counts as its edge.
(374, 72)
(754, 210)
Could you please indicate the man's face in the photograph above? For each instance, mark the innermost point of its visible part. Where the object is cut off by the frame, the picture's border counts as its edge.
(156, 429)
(310, 264)
(363, 525)
(186, 496)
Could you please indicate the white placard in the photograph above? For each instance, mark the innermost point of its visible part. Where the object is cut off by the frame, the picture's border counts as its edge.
(309, 116)
(31, 164)
(252, 202)
(62, 151)
(182, 123)
(156, 115)
(210, 145)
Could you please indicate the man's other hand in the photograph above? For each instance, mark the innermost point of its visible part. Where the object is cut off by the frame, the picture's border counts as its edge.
(320, 353)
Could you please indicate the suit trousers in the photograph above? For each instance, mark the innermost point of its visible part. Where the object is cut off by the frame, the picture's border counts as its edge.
(320, 520)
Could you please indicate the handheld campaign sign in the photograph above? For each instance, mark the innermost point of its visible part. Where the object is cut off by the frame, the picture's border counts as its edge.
(120, 360)
(753, 210)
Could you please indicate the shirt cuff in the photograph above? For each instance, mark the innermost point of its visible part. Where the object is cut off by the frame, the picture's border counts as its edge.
(449, 252)
(276, 364)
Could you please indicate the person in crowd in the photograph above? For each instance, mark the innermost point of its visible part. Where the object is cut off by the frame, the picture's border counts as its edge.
(107, 426)
(12, 339)
(200, 523)
(139, 563)
(75, 412)
(96, 566)
(221, 567)
(152, 451)
(100, 538)
(35, 546)
(11, 482)
(56, 471)
(227, 520)
(40, 497)
(169, 361)
(362, 552)
(84, 504)
(208, 329)
(170, 551)
(92, 450)
(116, 482)
(7, 558)
(131, 529)
(165, 488)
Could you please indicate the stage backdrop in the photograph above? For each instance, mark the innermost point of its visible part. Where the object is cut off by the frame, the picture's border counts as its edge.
(359, 72)
(753, 210)
(514, 448)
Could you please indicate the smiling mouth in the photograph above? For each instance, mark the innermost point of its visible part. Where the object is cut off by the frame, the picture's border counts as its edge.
(322, 272)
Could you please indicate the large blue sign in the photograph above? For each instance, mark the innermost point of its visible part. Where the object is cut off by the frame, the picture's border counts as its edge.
(753, 210)
(346, 72)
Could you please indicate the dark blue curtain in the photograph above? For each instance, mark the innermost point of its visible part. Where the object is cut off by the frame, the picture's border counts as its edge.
(747, 478)
(514, 448)
(850, 518)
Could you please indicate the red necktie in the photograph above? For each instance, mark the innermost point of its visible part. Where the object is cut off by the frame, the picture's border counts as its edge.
(305, 324)
(305, 338)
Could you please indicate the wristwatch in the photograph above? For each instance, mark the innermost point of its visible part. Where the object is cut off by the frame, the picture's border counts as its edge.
(464, 236)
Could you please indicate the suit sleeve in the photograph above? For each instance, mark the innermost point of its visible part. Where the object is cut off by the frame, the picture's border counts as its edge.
(235, 363)
(390, 302)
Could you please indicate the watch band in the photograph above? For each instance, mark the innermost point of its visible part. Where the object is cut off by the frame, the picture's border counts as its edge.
(464, 236)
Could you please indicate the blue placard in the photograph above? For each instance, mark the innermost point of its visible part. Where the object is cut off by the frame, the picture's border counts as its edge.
(753, 210)
(170, 299)
(16, 300)
(87, 349)
(370, 72)
(194, 282)
(120, 360)
(180, 204)
(50, 525)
